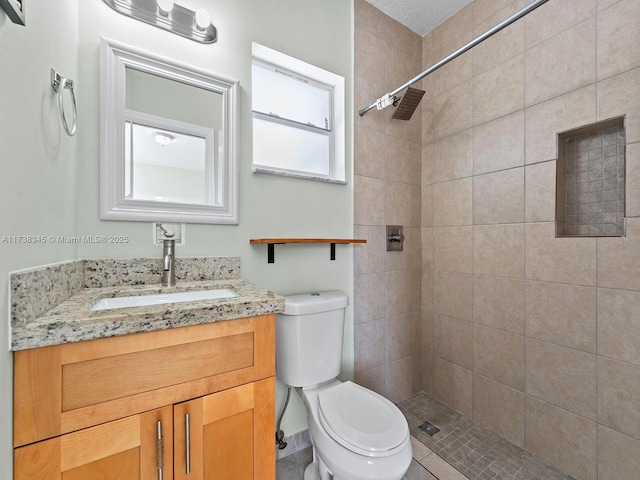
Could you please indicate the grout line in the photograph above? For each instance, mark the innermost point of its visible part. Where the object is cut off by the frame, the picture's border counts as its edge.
(597, 355)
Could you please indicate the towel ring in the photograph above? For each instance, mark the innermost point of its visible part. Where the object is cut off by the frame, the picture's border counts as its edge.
(59, 84)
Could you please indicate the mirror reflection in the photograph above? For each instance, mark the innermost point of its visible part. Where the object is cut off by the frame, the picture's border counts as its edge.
(164, 165)
(171, 136)
(168, 142)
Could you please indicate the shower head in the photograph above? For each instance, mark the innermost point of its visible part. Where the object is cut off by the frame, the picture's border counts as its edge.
(408, 104)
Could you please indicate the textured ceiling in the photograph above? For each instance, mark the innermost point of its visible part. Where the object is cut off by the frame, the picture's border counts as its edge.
(420, 16)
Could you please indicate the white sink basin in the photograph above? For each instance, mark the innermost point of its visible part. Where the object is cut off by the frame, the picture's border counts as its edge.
(161, 298)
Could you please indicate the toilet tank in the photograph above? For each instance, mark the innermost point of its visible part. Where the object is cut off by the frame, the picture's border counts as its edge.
(309, 337)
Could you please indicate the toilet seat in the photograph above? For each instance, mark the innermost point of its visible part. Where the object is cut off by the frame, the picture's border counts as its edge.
(361, 420)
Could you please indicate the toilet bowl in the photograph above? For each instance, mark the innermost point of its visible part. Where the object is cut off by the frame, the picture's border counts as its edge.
(356, 433)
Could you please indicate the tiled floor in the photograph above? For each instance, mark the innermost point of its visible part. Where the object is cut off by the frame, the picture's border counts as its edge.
(471, 448)
(292, 467)
(462, 449)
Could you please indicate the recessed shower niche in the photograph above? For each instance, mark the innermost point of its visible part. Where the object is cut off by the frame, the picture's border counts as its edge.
(590, 180)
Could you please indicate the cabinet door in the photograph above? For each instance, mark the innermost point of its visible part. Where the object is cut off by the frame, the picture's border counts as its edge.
(132, 448)
(228, 435)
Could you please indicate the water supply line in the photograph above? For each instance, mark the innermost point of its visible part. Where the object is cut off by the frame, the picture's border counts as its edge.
(389, 98)
(279, 433)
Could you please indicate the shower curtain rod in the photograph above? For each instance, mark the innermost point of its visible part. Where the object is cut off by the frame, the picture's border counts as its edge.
(388, 99)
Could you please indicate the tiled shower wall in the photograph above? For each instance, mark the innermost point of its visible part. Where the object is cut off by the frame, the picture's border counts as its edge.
(387, 185)
(534, 336)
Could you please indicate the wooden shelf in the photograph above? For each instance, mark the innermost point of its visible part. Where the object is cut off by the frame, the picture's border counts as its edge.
(275, 241)
(270, 242)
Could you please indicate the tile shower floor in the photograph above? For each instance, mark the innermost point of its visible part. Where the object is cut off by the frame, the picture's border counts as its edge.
(461, 449)
(471, 448)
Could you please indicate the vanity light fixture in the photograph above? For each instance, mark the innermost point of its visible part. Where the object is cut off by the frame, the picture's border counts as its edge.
(163, 138)
(14, 10)
(167, 15)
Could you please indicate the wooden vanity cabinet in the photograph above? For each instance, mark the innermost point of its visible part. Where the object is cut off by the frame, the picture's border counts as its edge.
(230, 435)
(197, 402)
(121, 449)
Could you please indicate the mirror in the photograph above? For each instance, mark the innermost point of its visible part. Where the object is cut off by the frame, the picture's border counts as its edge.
(168, 139)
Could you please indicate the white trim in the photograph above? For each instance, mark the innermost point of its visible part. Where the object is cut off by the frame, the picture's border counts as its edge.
(295, 442)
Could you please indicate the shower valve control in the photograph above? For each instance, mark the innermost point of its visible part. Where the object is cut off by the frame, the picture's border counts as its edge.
(395, 238)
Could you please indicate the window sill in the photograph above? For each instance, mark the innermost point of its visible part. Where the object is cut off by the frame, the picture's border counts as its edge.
(282, 173)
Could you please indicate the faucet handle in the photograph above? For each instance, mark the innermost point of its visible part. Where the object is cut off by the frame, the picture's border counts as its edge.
(167, 233)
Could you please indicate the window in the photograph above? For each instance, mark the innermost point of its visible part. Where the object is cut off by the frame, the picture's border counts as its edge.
(298, 118)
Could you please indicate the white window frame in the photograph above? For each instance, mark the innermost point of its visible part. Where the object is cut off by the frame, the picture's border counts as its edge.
(268, 57)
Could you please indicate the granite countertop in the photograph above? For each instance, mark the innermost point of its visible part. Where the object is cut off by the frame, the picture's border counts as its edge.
(74, 321)
(52, 305)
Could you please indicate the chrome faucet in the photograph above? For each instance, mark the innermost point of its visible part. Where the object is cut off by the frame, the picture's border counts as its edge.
(168, 263)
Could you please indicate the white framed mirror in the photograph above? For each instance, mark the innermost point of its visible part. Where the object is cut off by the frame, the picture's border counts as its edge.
(168, 139)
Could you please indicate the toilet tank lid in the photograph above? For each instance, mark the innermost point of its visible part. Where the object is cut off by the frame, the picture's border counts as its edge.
(315, 302)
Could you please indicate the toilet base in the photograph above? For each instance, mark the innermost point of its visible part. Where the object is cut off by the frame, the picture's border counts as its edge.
(311, 472)
(316, 470)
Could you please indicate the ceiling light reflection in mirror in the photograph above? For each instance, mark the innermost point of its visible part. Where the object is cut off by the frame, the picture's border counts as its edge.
(163, 166)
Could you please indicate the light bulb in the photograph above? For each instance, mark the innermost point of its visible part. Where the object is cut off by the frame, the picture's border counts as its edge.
(203, 19)
(165, 6)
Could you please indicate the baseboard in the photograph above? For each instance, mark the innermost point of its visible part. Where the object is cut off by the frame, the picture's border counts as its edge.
(295, 443)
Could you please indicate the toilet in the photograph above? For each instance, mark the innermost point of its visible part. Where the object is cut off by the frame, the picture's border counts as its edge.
(356, 434)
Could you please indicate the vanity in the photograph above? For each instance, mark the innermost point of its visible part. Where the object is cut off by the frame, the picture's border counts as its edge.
(161, 391)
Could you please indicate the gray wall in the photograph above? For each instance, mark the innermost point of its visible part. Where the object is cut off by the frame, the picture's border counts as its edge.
(38, 180)
(50, 181)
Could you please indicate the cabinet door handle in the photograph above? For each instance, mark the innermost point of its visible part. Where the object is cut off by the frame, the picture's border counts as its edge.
(159, 450)
(187, 442)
